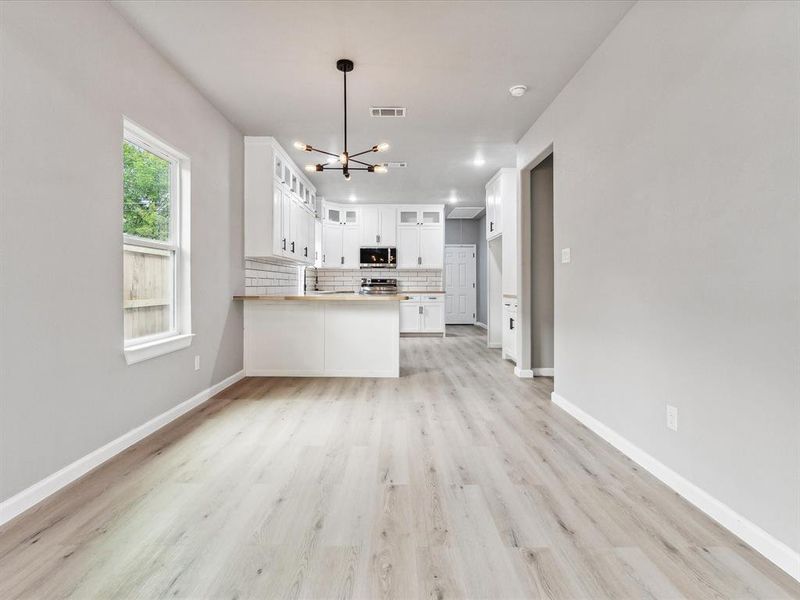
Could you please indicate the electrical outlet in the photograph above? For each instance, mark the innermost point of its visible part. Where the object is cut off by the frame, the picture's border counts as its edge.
(197, 362)
(672, 418)
(565, 255)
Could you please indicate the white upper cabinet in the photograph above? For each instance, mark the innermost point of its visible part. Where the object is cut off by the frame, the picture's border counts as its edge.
(494, 212)
(278, 222)
(378, 226)
(420, 237)
(350, 248)
(431, 247)
(408, 256)
(332, 256)
(340, 236)
(501, 219)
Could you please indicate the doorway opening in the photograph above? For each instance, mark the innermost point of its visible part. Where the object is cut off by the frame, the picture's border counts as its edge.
(542, 270)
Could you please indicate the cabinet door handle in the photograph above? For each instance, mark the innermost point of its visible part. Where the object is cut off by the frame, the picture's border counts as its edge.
(305, 251)
(419, 260)
(284, 243)
(491, 225)
(377, 239)
(343, 260)
(292, 247)
(511, 323)
(323, 258)
(420, 310)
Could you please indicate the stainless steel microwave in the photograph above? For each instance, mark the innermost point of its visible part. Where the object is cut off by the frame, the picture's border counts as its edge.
(378, 257)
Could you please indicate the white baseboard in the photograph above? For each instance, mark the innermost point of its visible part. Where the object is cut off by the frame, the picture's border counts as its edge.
(544, 372)
(390, 373)
(481, 325)
(523, 373)
(776, 551)
(40, 490)
(494, 345)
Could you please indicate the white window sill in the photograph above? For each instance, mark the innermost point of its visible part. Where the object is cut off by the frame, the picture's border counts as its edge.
(135, 354)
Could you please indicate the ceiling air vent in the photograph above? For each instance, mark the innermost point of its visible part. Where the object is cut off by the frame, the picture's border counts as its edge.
(395, 165)
(387, 111)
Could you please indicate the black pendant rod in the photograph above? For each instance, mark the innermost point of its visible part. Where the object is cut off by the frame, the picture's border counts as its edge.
(345, 111)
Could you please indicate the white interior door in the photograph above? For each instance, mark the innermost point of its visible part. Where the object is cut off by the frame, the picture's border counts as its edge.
(459, 277)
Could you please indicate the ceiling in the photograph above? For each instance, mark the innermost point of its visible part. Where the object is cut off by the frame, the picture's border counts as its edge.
(270, 68)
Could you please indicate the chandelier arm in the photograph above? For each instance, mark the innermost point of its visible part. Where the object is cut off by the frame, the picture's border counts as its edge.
(350, 159)
(364, 152)
(327, 168)
(324, 152)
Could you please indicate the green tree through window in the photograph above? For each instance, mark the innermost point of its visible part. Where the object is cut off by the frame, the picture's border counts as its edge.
(146, 198)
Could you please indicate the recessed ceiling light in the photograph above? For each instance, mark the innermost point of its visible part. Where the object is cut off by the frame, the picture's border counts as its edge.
(352, 198)
(478, 161)
(453, 198)
(518, 90)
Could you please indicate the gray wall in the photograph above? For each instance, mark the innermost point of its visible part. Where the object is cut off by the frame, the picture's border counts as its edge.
(471, 231)
(676, 187)
(483, 286)
(70, 71)
(542, 265)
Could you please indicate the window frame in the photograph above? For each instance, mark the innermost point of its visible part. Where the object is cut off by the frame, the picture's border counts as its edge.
(180, 333)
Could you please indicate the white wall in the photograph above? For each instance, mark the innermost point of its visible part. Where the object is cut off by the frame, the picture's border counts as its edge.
(70, 71)
(677, 155)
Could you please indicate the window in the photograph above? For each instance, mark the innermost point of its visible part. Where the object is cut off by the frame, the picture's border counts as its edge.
(155, 227)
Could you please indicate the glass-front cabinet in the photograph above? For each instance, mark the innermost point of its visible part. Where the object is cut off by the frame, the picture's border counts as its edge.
(408, 217)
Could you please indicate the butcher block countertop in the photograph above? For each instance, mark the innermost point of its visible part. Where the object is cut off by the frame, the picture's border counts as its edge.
(329, 297)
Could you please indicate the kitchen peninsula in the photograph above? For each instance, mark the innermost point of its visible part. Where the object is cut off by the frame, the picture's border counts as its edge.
(322, 335)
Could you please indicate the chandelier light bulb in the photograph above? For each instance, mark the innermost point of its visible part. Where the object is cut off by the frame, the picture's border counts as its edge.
(343, 158)
(310, 168)
(380, 169)
(302, 146)
(347, 176)
(382, 147)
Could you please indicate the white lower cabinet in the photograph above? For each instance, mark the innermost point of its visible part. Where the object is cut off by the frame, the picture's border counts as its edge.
(510, 330)
(422, 314)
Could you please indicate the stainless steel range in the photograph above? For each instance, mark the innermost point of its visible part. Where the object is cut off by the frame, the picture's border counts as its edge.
(378, 286)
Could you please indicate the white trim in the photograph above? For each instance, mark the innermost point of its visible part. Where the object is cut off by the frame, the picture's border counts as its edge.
(544, 372)
(148, 350)
(40, 490)
(494, 345)
(773, 549)
(179, 242)
(481, 325)
(523, 373)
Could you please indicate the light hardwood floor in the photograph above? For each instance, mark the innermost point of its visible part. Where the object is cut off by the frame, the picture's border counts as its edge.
(456, 481)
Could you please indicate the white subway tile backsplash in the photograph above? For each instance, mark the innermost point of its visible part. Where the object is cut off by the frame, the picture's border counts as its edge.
(264, 277)
(350, 279)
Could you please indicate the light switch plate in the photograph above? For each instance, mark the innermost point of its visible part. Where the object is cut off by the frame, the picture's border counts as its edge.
(672, 418)
(565, 255)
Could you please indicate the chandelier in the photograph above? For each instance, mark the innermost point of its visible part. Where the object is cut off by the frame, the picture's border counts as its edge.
(342, 161)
